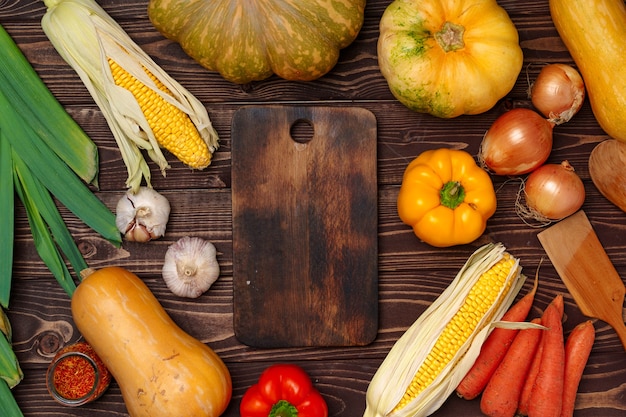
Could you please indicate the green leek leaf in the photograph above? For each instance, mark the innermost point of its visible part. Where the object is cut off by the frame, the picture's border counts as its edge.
(44, 243)
(55, 175)
(41, 110)
(7, 220)
(8, 404)
(42, 200)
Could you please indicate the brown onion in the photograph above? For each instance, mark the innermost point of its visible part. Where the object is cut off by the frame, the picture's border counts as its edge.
(518, 142)
(553, 192)
(558, 92)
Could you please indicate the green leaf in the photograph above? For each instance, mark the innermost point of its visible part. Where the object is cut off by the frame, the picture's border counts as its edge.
(44, 242)
(7, 220)
(56, 176)
(44, 203)
(41, 110)
(8, 404)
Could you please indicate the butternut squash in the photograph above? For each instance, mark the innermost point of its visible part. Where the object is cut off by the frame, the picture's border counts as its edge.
(161, 370)
(594, 32)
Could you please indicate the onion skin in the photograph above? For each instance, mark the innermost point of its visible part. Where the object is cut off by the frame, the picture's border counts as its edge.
(518, 142)
(558, 92)
(554, 191)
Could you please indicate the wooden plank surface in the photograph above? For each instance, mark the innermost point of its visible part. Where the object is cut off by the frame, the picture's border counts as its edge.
(411, 274)
(305, 242)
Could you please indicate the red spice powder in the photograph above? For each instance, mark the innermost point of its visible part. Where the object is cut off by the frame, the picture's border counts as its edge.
(74, 376)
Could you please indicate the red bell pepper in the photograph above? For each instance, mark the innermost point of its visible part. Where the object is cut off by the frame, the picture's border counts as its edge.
(283, 390)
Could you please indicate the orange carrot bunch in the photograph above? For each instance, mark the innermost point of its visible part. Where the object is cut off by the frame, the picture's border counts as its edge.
(531, 372)
(502, 393)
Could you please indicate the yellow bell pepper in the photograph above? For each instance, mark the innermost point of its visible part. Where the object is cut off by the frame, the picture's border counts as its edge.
(446, 197)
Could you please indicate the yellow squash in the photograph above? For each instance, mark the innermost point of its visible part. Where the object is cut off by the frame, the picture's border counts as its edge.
(162, 371)
(594, 32)
(448, 57)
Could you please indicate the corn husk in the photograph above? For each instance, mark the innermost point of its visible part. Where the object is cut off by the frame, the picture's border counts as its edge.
(409, 352)
(86, 36)
(5, 325)
(10, 370)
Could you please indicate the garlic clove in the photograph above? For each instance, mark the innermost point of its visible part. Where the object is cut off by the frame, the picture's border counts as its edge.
(138, 233)
(142, 216)
(190, 267)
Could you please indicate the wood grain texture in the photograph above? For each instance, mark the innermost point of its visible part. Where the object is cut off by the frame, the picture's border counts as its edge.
(580, 260)
(411, 274)
(305, 246)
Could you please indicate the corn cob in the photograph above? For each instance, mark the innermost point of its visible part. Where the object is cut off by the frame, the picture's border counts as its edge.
(426, 364)
(173, 129)
(109, 63)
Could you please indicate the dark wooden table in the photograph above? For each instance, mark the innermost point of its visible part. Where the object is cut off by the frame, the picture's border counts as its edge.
(411, 274)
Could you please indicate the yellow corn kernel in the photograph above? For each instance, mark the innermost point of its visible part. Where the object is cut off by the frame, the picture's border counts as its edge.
(172, 128)
(479, 302)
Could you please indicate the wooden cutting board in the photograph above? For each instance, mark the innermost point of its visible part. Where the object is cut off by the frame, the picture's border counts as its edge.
(305, 222)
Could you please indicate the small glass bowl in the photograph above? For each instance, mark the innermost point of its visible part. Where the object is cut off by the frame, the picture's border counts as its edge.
(83, 359)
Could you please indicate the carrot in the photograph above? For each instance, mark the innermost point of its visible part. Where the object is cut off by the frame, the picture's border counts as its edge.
(524, 401)
(558, 303)
(546, 398)
(494, 348)
(577, 350)
(501, 395)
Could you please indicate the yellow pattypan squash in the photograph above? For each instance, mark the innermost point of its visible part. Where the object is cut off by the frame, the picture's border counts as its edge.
(446, 197)
(448, 57)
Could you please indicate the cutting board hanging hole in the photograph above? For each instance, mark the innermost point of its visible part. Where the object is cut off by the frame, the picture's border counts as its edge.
(302, 131)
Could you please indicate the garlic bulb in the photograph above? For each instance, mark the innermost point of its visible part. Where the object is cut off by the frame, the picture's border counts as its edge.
(143, 215)
(190, 267)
